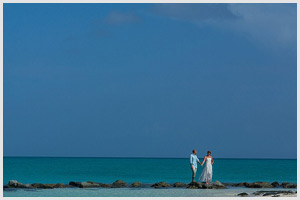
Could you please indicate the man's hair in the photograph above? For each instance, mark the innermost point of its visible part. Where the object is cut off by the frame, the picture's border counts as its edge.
(194, 150)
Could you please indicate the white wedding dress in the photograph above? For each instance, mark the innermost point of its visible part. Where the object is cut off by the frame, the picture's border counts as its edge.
(207, 172)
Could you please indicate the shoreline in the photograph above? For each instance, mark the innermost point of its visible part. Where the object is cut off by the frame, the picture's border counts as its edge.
(160, 189)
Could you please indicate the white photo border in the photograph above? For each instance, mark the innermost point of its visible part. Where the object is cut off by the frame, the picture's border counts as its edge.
(137, 1)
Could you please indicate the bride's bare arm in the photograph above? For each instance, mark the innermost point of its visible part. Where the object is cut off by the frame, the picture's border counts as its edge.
(212, 160)
(203, 160)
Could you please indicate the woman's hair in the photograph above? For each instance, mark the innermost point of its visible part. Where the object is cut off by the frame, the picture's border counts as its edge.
(208, 152)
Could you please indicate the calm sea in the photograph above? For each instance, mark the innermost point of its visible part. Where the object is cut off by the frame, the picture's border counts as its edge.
(146, 170)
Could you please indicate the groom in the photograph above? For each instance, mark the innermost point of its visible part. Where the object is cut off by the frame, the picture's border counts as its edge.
(193, 160)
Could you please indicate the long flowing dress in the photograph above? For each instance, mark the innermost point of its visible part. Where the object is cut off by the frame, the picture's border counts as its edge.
(207, 172)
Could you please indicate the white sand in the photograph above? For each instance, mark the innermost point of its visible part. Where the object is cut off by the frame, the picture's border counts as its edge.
(138, 192)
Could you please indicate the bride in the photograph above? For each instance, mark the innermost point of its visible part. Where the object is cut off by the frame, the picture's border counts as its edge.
(206, 174)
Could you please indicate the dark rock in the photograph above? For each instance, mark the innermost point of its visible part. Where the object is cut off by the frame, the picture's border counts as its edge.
(288, 185)
(119, 184)
(60, 185)
(136, 184)
(275, 184)
(160, 184)
(95, 184)
(42, 186)
(284, 184)
(207, 186)
(272, 193)
(276, 195)
(75, 184)
(244, 194)
(177, 184)
(91, 184)
(88, 185)
(291, 185)
(259, 185)
(37, 185)
(49, 185)
(249, 185)
(195, 185)
(268, 194)
(213, 185)
(217, 185)
(240, 184)
(105, 185)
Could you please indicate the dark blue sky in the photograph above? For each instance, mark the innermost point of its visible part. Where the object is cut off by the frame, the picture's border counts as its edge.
(150, 80)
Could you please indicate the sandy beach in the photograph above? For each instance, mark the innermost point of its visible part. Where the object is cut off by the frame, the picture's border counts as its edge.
(141, 192)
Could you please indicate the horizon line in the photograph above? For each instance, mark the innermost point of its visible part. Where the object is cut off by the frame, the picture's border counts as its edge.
(138, 157)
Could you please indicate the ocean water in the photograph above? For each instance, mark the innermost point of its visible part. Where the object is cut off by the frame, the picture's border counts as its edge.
(146, 170)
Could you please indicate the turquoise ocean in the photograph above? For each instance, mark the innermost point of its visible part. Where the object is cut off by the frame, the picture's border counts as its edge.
(145, 170)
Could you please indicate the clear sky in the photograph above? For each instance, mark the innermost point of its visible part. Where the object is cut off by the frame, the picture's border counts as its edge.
(150, 80)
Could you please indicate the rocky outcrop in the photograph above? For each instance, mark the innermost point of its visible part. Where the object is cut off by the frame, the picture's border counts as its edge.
(288, 185)
(136, 184)
(160, 184)
(273, 193)
(255, 185)
(178, 184)
(218, 185)
(207, 186)
(195, 185)
(243, 194)
(89, 184)
(275, 184)
(265, 185)
(27, 185)
(42, 186)
(213, 185)
(105, 185)
(74, 184)
(60, 185)
(260, 185)
(119, 184)
(15, 184)
(239, 184)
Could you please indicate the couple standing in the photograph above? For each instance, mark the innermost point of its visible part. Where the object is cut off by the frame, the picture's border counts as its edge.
(206, 174)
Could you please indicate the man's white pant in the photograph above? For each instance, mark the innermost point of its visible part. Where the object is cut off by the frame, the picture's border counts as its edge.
(194, 171)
